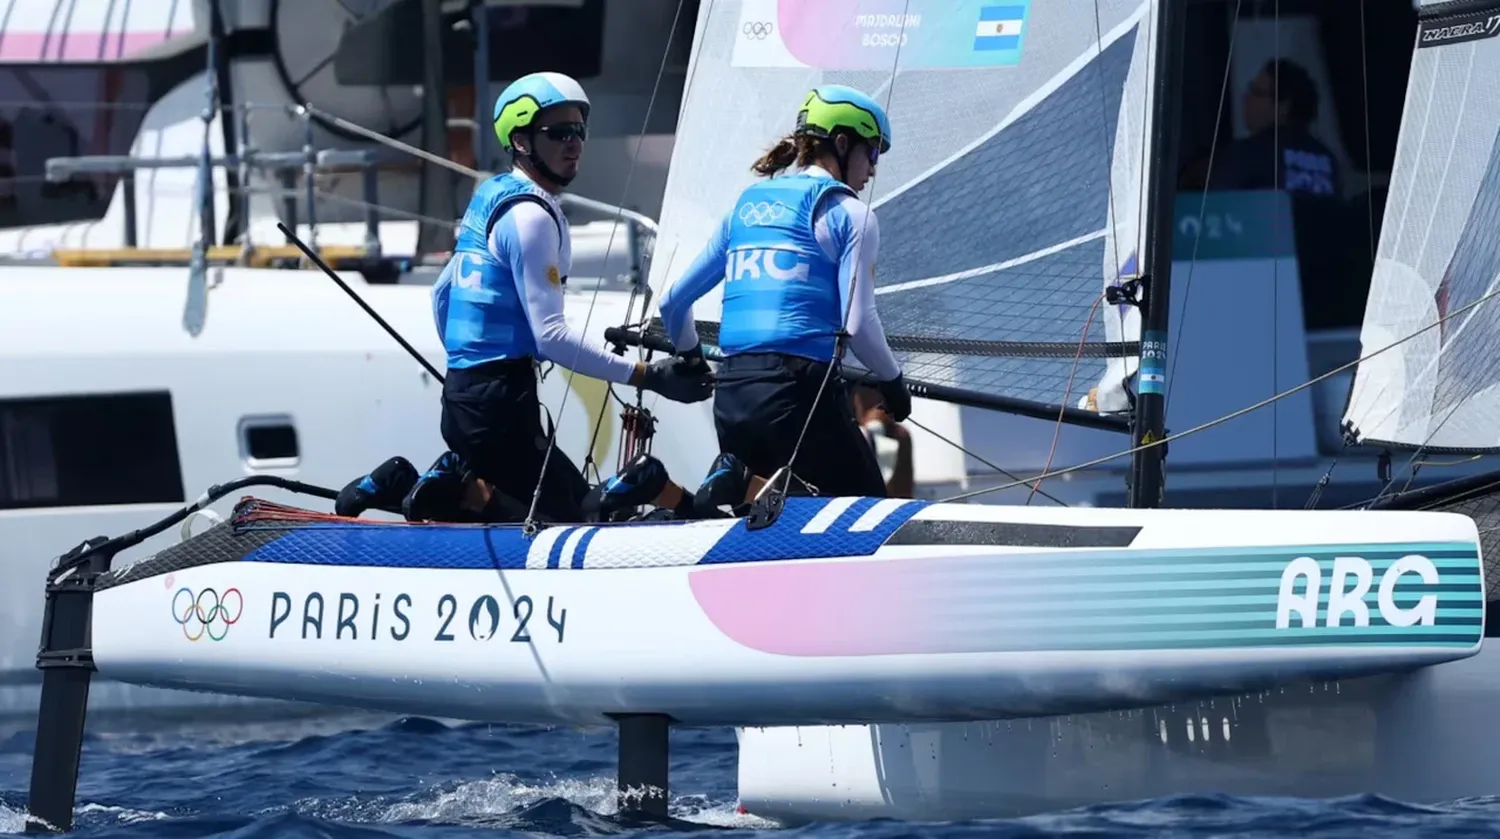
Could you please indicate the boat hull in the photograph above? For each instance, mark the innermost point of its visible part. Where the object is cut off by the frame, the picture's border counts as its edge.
(843, 610)
(1423, 736)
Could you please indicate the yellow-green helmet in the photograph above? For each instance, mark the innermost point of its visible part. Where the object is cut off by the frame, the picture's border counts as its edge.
(522, 99)
(832, 106)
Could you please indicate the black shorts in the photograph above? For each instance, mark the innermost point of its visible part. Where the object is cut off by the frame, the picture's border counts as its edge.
(760, 404)
(492, 420)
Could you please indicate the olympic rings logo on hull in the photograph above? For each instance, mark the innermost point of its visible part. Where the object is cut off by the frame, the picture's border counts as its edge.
(756, 214)
(758, 31)
(207, 612)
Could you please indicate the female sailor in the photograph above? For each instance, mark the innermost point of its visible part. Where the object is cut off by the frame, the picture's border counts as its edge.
(797, 255)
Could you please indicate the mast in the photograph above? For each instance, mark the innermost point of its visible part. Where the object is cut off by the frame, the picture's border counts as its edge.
(1146, 479)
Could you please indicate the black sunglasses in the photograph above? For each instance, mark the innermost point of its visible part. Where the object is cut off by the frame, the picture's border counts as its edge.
(562, 132)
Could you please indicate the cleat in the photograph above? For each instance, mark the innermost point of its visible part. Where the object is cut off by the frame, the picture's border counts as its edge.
(382, 489)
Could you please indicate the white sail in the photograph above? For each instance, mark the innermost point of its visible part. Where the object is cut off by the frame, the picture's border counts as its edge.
(1015, 176)
(1439, 252)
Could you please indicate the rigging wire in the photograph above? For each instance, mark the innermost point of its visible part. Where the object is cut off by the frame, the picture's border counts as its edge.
(1036, 486)
(1113, 248)
(1364, 80)
(643, 354)
(1213, 144)
(1242, 411)
(1481, 490)
(536, 494)
(1277, 173)
(1057, 427)
(841, 338)
(1397, 404)
(1364, 73)
(1413, 463)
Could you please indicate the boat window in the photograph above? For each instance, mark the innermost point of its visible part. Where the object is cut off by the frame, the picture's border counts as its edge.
(72, 451)
(268, 442)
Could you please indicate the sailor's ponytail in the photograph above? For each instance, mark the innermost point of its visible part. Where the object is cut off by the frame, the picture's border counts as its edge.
(779, 157)
(793, 149)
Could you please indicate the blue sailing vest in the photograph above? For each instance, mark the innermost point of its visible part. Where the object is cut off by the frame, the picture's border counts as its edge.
(781, 291)
(475, 301)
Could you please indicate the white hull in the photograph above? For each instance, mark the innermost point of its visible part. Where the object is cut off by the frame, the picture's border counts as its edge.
(844, 610)
(1423, 736)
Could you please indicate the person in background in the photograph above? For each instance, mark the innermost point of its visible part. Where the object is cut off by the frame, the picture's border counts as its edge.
(498, 308)
(889, 439)
(797, 256)
(1280, 106)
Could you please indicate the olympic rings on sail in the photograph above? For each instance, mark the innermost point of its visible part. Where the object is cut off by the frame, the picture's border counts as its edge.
(756, 214)
(758, 30)
(207, 613)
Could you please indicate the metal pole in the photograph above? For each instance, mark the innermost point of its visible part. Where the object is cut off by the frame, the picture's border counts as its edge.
(237, 220)
(437, 185)
(482, 105)
(1147, 473)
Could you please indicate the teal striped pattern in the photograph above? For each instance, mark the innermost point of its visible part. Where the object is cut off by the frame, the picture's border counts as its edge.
(1183, 599)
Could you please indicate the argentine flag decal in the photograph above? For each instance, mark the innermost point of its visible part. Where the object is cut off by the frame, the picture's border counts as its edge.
(999, 28)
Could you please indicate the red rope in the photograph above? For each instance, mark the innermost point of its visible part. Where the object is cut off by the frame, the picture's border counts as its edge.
(1068, 391)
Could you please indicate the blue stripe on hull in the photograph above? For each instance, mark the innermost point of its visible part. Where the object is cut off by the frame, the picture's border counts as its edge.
(397, 546)
(505, 547)
(785, 540)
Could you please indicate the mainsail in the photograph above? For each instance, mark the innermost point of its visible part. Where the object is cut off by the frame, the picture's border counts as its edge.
(1011, 199)
(1439, 249)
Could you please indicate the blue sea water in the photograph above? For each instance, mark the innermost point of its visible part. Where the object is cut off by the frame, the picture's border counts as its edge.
(361, 775)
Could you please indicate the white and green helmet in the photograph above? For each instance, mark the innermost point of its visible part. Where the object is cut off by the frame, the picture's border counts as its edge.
(527, 96)
(831, 107)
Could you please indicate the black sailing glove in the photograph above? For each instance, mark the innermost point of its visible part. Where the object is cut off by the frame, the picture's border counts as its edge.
(693, 359)
(679, 380)
(897, 398)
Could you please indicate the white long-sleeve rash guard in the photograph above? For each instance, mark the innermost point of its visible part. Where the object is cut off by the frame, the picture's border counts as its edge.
(849, 232)
(527, 239)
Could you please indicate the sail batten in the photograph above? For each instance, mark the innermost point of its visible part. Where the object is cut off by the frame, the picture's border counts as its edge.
(1437, 387)
(1011, 198)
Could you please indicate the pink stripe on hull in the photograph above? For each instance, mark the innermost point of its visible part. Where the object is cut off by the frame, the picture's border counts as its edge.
(812, 608)
(23, 47)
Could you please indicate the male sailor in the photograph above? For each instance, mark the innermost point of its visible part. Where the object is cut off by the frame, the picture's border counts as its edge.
(498, 307)
(797, 255)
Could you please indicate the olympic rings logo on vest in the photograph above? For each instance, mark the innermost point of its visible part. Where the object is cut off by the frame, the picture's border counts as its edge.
(207, 612)
(758, 30)
(760, 213)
